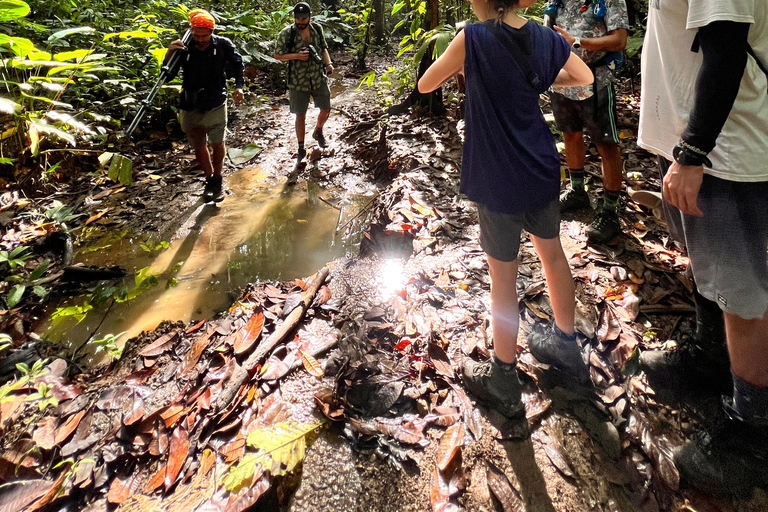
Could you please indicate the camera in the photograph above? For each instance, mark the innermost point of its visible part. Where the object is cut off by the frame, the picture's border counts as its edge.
(313, 54)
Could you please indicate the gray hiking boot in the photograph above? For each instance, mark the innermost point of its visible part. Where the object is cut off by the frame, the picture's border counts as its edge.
(572, 200)
(498, 388)
(555, 349)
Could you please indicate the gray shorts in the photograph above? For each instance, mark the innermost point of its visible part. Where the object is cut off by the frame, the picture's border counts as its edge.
(202, 127)
(596, 115)
(500, 232)
(300, 99)
(728, 245)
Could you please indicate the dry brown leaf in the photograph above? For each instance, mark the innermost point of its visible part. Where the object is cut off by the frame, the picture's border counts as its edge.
(450, 444)
(177, 454)
(440, 359)
(160, 345)
(608, 328)
(311, 365)
(503, 490)
(156, 481)
(69, 426)
(45, 433)
(247, 335)
(121, 489)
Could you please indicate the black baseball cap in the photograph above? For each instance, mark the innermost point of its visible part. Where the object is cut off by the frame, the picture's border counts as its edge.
(302, 10)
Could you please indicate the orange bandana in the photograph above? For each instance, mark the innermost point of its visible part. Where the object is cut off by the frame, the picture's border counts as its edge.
(199, 18)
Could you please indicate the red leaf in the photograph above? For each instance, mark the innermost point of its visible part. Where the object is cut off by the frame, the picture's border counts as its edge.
(245, 337)
(121, 489)
(177, 454)
(156, 481)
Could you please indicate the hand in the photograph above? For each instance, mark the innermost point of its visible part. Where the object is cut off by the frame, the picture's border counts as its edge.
(568, 37)
(681, 187)
(303, 55)
(176, 45)
(329, 69)
(238, 96)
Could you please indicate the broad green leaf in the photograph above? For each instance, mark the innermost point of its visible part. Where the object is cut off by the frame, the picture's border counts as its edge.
(104, 158)
(67, 119)
(15, 295)
(21, 47)
(7, 161)
(282, 447)
(73, 55)
(13, 9)
(396, 8)
(67, 32)
(40, 56)
(40, 270)
(442, 41)
(50, 130)
(159, 55)
(240, 156)
(139, 34)
(126, 172)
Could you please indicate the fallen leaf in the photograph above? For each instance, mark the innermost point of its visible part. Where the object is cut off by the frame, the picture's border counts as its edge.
(247, 335)
(162, 344)
(177, 454)
(450, 444)
(440, 359)
(503, 490)
(69, 426)
(311, 365)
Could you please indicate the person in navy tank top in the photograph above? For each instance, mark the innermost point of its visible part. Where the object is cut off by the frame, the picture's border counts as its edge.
(511, 171)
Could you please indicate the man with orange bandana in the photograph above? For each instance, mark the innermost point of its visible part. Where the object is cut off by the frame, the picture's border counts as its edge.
(207, 65)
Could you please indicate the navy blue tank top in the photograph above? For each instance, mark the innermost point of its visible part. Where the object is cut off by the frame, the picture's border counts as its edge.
(510, 161)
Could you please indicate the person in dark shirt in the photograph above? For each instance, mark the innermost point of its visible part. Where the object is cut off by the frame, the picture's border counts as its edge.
(511, 171)
(207, 64)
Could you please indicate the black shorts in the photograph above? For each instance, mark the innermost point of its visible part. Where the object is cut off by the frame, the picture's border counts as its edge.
(500, 232)
(595, 115)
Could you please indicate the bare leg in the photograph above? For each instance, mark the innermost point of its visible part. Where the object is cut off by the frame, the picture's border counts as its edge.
(575, 150)
(301, 120)
(562, 291)
(748, 348)
(505, 312)
(610, 154)
(203, 157)
(218, 158)
(322, 117)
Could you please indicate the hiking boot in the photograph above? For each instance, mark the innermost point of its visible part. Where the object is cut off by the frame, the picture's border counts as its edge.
(500, 389)
(604, 228)
(553, 348)
(214, 191)
(318, 136)
(572, 200)
(689, 366)
(300, 154)
(730, 461)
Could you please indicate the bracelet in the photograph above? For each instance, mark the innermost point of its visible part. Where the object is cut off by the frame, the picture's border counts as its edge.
(684, 155)
(692, 148)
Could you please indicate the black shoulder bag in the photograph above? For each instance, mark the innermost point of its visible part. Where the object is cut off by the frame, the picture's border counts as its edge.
(517, 53)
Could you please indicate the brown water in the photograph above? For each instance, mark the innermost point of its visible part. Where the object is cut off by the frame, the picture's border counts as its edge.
(264, 229)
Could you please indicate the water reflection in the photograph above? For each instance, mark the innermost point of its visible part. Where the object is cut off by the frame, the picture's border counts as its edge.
(264, 229)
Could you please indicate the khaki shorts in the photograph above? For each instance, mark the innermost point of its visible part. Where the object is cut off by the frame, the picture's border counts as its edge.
(300, 99)
(203, 127)
(500, 232)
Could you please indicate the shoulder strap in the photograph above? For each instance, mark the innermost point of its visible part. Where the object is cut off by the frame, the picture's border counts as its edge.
(517, 54)
(317, 28)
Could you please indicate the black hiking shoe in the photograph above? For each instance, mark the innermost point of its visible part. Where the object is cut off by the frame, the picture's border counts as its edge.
(688, 367)
(318, 136)
(300, 154)
(729, 461)
(604, 228)
(556, 350)
(499, 389)
(214, 190)
(572, 200)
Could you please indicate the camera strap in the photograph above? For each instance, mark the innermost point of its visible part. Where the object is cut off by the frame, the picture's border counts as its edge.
(517, 53)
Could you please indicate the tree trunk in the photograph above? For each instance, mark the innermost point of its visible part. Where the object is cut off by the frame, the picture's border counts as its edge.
(378, 21)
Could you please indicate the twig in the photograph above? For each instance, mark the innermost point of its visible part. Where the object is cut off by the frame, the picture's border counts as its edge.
(370, 203)
(329, 204)
(661, 309)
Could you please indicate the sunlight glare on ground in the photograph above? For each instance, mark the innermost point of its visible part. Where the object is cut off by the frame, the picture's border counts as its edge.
(391, 278)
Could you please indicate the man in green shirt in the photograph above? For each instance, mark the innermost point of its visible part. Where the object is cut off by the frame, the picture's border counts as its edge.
(303, 47)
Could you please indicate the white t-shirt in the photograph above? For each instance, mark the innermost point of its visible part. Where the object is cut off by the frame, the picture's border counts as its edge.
(669, 71)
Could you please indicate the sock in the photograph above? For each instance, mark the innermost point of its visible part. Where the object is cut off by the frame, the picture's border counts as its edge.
(577, 178)
(749, 402)
(565, 337)
(507, 367)
(710, 325)
(611, 201)
(301, 144)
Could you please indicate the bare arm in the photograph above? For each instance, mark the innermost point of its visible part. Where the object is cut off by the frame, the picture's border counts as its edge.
(449, 64)
(574, 73)
(613, 41)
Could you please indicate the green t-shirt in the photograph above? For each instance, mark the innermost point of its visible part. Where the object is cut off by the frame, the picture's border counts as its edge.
(303, 75)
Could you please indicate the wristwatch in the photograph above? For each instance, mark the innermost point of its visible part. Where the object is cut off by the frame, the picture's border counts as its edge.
(687, 155)
(576, 42)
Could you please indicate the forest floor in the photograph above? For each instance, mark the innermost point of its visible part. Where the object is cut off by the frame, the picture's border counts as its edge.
(340, 391)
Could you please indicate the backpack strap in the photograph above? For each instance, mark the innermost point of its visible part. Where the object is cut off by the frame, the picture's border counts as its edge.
(517, 53)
